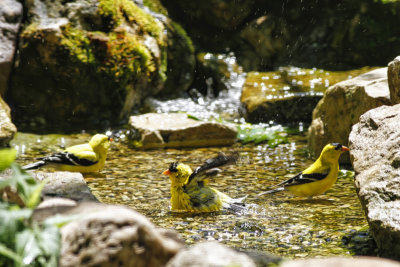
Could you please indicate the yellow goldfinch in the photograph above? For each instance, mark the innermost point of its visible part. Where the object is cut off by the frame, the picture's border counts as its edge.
(190, 190)
(317, 178)
(84, 158)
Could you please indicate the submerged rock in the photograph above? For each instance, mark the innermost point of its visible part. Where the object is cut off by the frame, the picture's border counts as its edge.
(10, 19)
(154, 130)
(341, 107)
(287, 95)
(210, 254)
(394, 80)
(375, 155)
(106, 235)
(267, 97)
(7, 128)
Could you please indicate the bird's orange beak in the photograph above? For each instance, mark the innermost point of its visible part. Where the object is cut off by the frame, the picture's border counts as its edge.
(166, 172)
(345, 148)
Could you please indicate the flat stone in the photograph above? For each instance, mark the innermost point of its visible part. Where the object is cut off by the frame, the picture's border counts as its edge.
(375, 155)
(155, 130)
(342, 106)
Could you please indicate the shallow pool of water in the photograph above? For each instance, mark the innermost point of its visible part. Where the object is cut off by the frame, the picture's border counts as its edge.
(280, 224)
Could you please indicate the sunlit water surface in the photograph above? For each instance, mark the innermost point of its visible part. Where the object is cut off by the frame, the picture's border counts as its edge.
(288, 226)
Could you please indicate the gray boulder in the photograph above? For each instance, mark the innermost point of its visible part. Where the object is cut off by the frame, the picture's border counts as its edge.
(342, 262)
(7, 128)
(341, 107)
(375, 155)
(394, 80)
(153, 130)
(70, 185)
(10, 18)
(106, 235)
(210, 254)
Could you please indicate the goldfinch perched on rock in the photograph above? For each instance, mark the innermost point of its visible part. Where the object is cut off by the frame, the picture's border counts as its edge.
(84, 158)
(317, 178)
(190, 190)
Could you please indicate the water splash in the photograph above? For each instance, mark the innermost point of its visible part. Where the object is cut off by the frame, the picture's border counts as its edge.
(208, 107)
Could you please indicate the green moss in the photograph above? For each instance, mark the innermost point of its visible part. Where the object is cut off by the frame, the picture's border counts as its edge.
(125, 11)
(156, 6)
(77, 43)
(183, 35)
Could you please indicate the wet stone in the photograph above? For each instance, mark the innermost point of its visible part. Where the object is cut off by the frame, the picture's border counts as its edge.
(178, 130)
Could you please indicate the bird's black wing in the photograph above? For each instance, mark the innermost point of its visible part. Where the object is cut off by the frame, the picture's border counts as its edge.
(68, 159)
(305, 178)
(210, 166)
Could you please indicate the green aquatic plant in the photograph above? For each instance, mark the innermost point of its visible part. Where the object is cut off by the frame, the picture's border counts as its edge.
(272, 135)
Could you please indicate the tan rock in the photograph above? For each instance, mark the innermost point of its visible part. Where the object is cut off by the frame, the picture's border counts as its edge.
(394, 80)
(375, 155)
(341, 107)
(7, 128)
(107, 235)
(208, 254)
(342, 262)
(178, 130)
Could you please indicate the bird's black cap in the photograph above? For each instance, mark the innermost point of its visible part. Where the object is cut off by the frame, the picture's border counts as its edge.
(337, 146)
(172, 167)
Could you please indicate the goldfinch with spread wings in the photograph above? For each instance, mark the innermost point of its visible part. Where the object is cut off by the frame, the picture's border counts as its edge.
(84, 158)
(317, 178)
(190, 190)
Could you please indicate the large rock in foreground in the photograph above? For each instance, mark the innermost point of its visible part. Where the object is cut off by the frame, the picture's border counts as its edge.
(154, 130)
(342, 262)
(341, 107)
(7, 128)
(210, 254)
(375, 155)
(106, 235)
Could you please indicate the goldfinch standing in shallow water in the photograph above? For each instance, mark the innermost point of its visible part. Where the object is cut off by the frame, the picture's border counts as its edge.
(84, 158)
(190, 190)
(317, 178)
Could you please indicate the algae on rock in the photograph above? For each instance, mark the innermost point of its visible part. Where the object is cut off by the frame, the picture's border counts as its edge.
(86, 62)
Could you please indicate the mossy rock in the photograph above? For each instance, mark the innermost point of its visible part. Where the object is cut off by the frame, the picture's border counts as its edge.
(86, 63)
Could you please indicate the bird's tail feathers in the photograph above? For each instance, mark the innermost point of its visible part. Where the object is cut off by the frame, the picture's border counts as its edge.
(236, 205)
(35, 165)
(279, 189)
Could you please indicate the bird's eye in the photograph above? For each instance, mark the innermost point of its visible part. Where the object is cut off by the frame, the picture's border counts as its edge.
(337, 146)
(173, 167)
